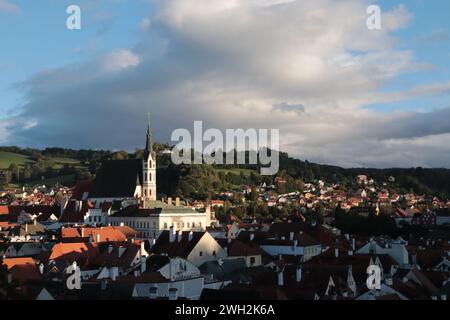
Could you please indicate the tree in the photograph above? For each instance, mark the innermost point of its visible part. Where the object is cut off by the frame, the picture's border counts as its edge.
(15, 171)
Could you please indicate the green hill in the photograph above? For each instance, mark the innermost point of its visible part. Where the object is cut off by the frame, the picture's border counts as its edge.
(8, 158)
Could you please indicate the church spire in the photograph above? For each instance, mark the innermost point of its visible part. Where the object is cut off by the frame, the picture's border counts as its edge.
(149, 143)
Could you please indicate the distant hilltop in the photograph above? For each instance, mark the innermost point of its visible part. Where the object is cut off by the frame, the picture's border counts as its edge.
(27, 166)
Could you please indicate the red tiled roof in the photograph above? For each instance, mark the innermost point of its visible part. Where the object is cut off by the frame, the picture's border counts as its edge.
(79, 251)
(80, 188)
(22, 269)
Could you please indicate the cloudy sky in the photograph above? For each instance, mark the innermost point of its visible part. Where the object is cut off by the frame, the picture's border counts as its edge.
(339, 93)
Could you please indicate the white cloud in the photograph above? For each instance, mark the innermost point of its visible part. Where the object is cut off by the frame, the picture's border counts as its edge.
(8, 7)
(120, 59)
(306, 67)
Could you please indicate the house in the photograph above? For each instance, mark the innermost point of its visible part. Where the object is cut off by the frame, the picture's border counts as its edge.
(299, 244)
(174, 278)
(26, 232)
(195, 247)
(98, 216)
(120, 258)
(395, 249)
(159, 216)
(425, 219)
(250, 252)
(22, 269)
(22, 249)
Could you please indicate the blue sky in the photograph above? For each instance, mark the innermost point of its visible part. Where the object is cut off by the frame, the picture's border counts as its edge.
(212, 61)
(37, 38)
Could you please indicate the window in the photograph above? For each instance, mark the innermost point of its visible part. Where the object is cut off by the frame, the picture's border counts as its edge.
(201, 253)
(193, 224)
(252, 260)
(149, 177)
(165, 225)
(214, 253)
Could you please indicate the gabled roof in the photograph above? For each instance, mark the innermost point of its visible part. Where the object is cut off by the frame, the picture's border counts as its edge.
(22, 269)
(80, 189)
(239, 249)
(71, 215)
(117, 254)
(178, 248)
(117, 179)
(80, 252)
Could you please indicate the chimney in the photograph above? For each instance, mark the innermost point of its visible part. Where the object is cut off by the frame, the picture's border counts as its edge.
(336, 252)
(298, 274)
(114, 272)
(103, 284)
(173, 294)
(172, 234)
(26, 227)
(191, 235)
(41, 268)
(177, 201)
(143, 264)
(169, 201)
(153, 293)
(252, 236)
(280, 278)
(414, 258)
(291, 236)
(354, 244)
(142, 250)
(443, 297)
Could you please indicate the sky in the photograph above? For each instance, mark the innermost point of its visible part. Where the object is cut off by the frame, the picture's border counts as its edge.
(339, 93)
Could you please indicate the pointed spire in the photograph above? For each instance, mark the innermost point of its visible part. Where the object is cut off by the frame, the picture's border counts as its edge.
(149, 142)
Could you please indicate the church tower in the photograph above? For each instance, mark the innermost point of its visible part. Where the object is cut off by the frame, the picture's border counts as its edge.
(149, 168)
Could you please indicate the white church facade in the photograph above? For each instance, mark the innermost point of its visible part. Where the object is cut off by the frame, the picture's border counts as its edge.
(133, 184)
